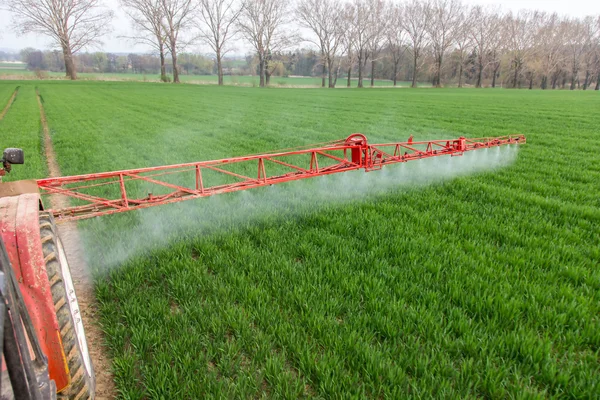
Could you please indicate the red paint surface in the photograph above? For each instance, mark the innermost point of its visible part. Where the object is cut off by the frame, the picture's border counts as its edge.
(348, 154)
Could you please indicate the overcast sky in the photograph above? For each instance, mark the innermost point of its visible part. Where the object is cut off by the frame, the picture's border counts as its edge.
(122, 27)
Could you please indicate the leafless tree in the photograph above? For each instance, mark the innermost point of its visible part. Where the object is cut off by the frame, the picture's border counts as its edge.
(464, 43)
(443, 29)
(358, 20)
(378, 21)
(575, 45)
(497, 44)
(550, 43)
(147, 18)
(520, 33)
(217, 22)
(348, 44)
(262, 23)
(177, 16)
(591, 32)
(324, 19)
(415, 21)
(597, 51)
(72, 24)
(484, 30)
(396, 38)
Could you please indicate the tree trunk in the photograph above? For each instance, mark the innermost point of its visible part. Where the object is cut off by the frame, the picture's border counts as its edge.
(349, 75)
(396, 72)
(330, 73)
(337, 73)
(597, 82)
(479, 75)
(495, 74)
(586, 81)
(531, 82)
(573, 81)
(360, 70)
(372, 73)
(323, 74)
(544, 84)
(516, 76)
(70, 70)
(163, 69)
(438, 75)
(414, 77)
(267, 76)
(261, 70)
(460, 75)
(220, 68)
(174, 58)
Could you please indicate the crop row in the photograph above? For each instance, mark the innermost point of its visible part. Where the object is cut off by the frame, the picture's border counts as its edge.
(21, 128)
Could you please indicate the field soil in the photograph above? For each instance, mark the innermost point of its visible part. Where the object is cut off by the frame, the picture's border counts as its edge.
(69, 235)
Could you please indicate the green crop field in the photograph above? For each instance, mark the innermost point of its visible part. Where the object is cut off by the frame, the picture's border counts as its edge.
(474, 276)
(21, 127)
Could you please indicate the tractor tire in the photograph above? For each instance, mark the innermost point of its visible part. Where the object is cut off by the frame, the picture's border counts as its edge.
(81, 370)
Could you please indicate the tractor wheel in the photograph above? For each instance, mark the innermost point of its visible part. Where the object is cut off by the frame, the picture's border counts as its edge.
(81, 370)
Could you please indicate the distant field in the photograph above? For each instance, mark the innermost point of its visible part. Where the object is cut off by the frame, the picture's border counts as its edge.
(12, 66)
(201, 79)
(391, 284)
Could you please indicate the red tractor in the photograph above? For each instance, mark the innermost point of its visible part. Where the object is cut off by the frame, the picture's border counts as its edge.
(45, 354)
(45, 349)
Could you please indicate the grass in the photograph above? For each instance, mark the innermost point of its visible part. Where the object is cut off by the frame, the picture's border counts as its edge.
(20, 127)
(6, 91)
(486, 285)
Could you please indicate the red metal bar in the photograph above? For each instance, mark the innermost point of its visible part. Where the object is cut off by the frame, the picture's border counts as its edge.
(124, 198)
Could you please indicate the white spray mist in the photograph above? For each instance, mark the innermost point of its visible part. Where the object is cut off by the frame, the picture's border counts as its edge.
(157, 227)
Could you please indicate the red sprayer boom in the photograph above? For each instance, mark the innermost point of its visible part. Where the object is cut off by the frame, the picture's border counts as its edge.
(119, 191)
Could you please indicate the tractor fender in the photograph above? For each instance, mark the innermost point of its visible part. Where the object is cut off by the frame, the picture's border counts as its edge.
(20, 230)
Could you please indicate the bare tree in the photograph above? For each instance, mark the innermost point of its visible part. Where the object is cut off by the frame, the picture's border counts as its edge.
(218, 18)
(443, 28)
(520, 33)
(262, 23)
(590, 56)
(575, 45)
(72, 24)
(147, 17)
(323, 18)
(396, 39)
(464, 43)
(378, 21)
(497, 46)
(597, 51)
(358, 19)
(550, 43)
(177, 15)
(349, 44)
(416, 24)
(485, 26)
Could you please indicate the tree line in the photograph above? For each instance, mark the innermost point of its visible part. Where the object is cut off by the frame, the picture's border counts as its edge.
(443, 41)
(103, 62)
(300, 62)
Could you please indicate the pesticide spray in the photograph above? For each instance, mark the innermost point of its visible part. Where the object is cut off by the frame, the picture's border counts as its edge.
(112, 241)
